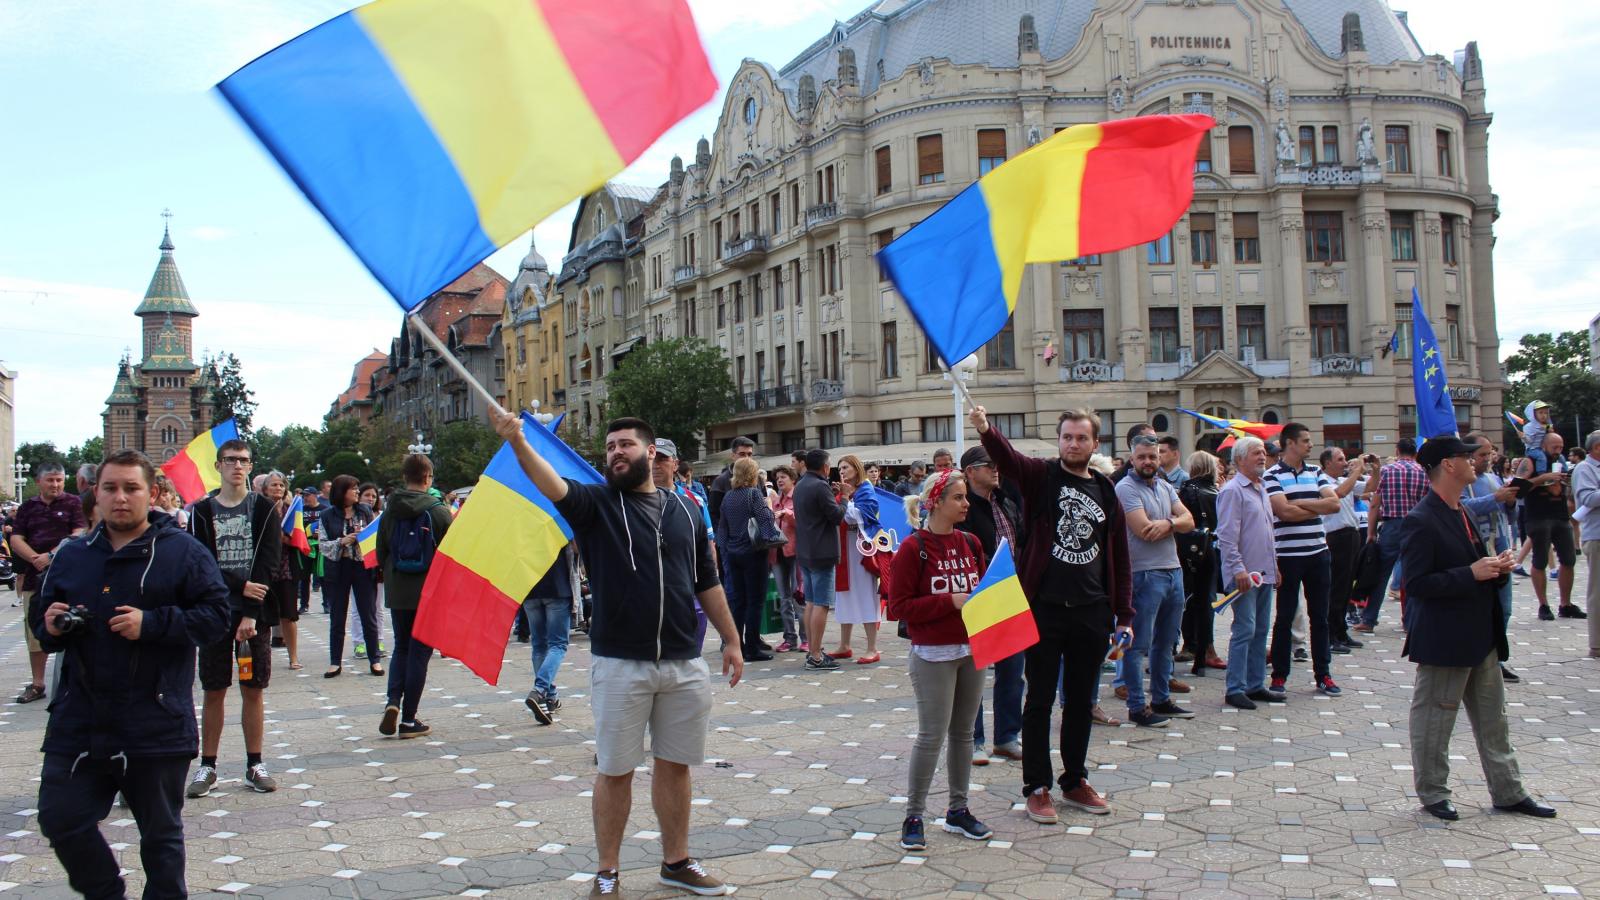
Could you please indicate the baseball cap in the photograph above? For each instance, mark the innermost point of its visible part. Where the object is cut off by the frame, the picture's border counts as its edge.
(1273, 449)
(1539, 404)
(310, 492)
(1439, 449)
(665, 447)
(975, 456)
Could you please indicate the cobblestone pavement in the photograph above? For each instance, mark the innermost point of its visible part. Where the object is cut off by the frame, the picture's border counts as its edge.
(804, 797)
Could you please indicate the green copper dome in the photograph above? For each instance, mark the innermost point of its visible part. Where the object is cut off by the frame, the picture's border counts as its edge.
(166, 293)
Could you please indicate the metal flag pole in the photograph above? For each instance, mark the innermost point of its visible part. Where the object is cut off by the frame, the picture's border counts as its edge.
(960, 393)
(439, 347)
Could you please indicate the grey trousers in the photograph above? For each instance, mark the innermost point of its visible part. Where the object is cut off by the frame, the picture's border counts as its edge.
(947, 703)
(1439, 693)
(1591, 552)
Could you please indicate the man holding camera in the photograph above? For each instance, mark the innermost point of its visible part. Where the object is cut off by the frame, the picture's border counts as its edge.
(127, 607)
(41, 524)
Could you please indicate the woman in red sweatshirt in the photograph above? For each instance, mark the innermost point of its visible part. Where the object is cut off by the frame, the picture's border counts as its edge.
(933, 574)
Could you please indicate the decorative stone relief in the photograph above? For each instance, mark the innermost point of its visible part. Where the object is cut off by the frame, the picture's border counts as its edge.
(1280, 97)
(1366, 149)
(1081, 284)
(1430, 225)
(1374, 223)
(1034, 135)
(925, 70)
(1117, 97)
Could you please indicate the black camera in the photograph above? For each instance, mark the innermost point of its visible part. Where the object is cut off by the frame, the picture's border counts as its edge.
(74, 619)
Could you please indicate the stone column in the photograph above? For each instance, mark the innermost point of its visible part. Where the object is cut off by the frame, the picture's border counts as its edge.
(1290, 215)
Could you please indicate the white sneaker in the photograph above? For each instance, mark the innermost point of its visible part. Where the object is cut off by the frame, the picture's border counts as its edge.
(980, 755)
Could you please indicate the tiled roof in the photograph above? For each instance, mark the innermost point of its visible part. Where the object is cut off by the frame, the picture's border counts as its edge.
(480, 291)
(123, 391)
(361, 379)
(166, 293)
(1387, 38)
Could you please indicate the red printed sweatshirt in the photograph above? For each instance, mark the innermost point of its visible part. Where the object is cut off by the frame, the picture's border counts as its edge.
(927, 569)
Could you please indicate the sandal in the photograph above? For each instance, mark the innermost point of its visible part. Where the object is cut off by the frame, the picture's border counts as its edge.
(295, 665)
(1100, 718)
(31, 693)
(868, 659)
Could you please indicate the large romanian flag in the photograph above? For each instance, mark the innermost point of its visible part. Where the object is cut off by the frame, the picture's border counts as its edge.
(1089, 189)
(430, 133)
(999, 623)
(194, 472)
(496, 550)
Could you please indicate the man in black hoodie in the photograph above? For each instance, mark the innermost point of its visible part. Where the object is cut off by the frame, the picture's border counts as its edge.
(240, 529)
(648, 560)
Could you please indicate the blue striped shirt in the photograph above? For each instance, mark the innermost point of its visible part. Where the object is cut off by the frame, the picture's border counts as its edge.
(1298, 538)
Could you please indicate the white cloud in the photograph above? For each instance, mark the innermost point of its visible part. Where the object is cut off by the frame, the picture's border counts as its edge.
(717, 16)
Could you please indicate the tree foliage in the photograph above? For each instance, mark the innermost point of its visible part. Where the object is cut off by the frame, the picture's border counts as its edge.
(1540, 353)
(232, 398)
(680, 386)
(92, 451)
(337, 437)
(345, 462)
(385, 445)
(461, 451)
(1554, 368)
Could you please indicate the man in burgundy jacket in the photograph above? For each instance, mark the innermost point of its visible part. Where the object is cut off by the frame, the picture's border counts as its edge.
(1075, 572)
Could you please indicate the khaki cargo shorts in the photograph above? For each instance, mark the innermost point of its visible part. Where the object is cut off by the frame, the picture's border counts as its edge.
(672, 698)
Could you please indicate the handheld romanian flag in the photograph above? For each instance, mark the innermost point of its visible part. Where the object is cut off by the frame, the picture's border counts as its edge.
(497, 549)
(194, 472)
(294, 526)
(367, 540)
(430, 133)
(1089, 189)
(999, 623)
(1237, 428)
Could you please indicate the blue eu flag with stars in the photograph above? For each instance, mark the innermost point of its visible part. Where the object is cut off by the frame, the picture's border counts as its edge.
(1436, 415)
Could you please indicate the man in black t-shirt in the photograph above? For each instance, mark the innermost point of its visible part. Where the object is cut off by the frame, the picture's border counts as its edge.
(1549, 508)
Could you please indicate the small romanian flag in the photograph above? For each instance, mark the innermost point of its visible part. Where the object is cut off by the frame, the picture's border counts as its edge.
(194, 472)
(430, 133)
(1089, 189)
(999, 622)
(367, 540)
(294, 526)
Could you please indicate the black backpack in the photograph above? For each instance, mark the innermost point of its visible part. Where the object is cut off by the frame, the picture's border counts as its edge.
(413, 543)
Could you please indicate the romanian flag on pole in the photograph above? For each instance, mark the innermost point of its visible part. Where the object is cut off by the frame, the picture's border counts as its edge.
(367, 540)
(999, 623)
(430, 133)
(194, 471)
(497, 549)
(294, 526)
(1089, 189)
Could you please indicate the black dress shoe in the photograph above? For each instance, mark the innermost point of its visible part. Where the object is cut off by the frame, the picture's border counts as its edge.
(1266, 696)
(1239, 701)
(1339, 648)
(1529, 807)
(1443, 810)
(1509, 676)
(757, 657)
(1351, 642)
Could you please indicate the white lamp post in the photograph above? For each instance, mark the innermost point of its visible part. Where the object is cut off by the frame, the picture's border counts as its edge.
(961, 371)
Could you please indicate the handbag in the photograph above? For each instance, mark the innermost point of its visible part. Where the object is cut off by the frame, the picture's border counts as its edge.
(1369, 568)
(762, 539)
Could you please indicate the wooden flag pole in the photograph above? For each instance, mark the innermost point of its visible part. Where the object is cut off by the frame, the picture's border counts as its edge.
(439, 347)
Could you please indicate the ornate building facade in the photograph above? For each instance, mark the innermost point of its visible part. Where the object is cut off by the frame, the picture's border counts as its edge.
(533, 334)
(8, 431)
(161, 403)
(1347, 166)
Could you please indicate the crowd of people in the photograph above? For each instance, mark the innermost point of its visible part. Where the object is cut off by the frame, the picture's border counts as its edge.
(1125, 564)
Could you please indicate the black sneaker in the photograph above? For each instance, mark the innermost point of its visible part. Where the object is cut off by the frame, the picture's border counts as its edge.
(823, 664)
(1239, 701)
(1266, 696)
(1571, 611)
(1171, 710)
(911, 834)
(1147, 718)
(963, 822)
(1339, 647)
(414, 729)
(1349, 641)
(1300, 654)
(391, 719)
(536, 704)
(1545, 615)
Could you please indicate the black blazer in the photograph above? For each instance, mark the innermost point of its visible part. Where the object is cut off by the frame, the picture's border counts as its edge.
(1452, 619)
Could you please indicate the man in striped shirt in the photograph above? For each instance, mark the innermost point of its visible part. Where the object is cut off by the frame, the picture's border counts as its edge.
(1401, 485)
(1301, 494)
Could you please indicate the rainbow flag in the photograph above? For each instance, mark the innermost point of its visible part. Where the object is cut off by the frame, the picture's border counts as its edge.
(294, 526)
(194, 472)
(999, 622)
(1089, 189)
(367, 540)
(494, 553)
(430, 133)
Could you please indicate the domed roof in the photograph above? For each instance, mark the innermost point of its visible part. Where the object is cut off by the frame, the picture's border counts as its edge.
(166, 293)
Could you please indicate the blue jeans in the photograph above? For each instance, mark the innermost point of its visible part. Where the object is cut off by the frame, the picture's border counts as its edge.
(1007, 703)
(1247, 646)
(549, 620)
(818, 586)
(1157, 618)
(1389, 553)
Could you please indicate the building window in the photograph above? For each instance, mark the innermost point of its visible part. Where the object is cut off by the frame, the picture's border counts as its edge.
(1403, 236)
(716, 237)
(1447, 162)
(1012, 425)
(1202, 153)
(1452, 330)
(1203, 238)
(930, 357)
(738, 302)
(1341, 427)
(889, 350)
(775, 202)
(938, 428)
(1252, 329)
(1408, 422)
(500, 365)
(1001, 351)
(1402, 330)
(794, 277)
(831, 436)
(1247, 237)
(1092, 259)
(1083, 335)
(1108, 431)
(691, 316)
(1164, 334)
(794, 204)
(781, 375)
(722, 308)
(1159, 251)
(1207, 331)
(738, 365)
(883, 169)
(830, 357)
(792, 440)
(991, 149)
(880, 240)
(1397, 148)
(761, 369)
(1330, 143)
(1308, 145)
(756, 301)
(799, 361)
(1330, 329)
(930, 159)
(1324, 237)
(1241, 150)
(889, 432)
(1447, 239)
(776, 274)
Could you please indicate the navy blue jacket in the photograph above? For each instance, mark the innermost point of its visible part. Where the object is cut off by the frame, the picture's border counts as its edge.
(121, 696)
(1452, 619)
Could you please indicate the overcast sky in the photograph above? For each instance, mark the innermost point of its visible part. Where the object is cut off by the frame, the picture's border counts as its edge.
(110, 118)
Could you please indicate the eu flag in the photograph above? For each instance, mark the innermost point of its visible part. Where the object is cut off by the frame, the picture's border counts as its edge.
(1436, 415)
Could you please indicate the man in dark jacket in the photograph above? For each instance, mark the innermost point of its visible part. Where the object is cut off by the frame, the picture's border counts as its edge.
(817, 514)
(123, 719)
(241, 530)
(1456, 635)
(1077, 576)
(993, 514)
(648, 560)
(405, 567)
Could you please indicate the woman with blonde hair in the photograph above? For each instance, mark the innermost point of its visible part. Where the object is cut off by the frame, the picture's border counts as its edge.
(748, 564)
(1197, 556)
(856, 589)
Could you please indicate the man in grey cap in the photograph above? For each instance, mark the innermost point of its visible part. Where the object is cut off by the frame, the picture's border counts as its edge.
(664, 472)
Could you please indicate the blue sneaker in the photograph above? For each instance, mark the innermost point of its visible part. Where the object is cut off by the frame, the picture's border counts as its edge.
(911, 836)
(962, 822)
(1325, 685)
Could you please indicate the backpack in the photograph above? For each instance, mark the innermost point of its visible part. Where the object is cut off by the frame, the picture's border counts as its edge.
(413, 543)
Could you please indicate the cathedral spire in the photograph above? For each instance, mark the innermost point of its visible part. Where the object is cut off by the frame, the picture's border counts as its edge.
(166, 294)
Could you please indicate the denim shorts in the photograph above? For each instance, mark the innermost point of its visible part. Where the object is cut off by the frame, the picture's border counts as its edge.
(818, 585)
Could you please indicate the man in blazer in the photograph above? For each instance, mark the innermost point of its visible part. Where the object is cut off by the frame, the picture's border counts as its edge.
(1456, 635)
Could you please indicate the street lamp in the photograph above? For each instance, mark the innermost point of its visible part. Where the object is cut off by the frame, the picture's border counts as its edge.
(963, 371)
(542, 418)
(19, 477)
(420, 446)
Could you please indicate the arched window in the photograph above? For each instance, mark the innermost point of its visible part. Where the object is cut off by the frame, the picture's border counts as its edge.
(1270, 417)
(1161, 423)
(750, 111)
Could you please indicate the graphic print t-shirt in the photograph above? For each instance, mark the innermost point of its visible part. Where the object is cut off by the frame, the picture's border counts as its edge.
(233, 537)
(1076, 575)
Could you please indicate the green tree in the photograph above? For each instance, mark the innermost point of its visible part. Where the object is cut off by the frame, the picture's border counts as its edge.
(385, 445)
(343, 435)
(92, 451)
(1539, 353)
(461, 451)
(232, 398)
(346, 462)
(1553, 368)
(680, 386)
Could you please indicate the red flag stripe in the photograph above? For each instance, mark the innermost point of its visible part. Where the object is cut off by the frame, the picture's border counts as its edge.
(463, 616)
(1004, 638)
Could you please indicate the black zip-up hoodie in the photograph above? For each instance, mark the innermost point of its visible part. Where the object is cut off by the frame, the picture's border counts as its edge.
(266, 550)
(644, 572)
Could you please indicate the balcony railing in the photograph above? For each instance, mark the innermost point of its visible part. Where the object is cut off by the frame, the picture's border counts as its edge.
(773, 398)
(1330, 175)
(1091, 371)
(684, 275)
(1341, 364)
(750, 248)
(822, 212)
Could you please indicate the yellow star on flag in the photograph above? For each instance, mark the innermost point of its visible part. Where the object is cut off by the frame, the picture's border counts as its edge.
(1430, 372)
(1430, 353)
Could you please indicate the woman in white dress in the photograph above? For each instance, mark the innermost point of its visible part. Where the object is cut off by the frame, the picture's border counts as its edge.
(856, 599)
